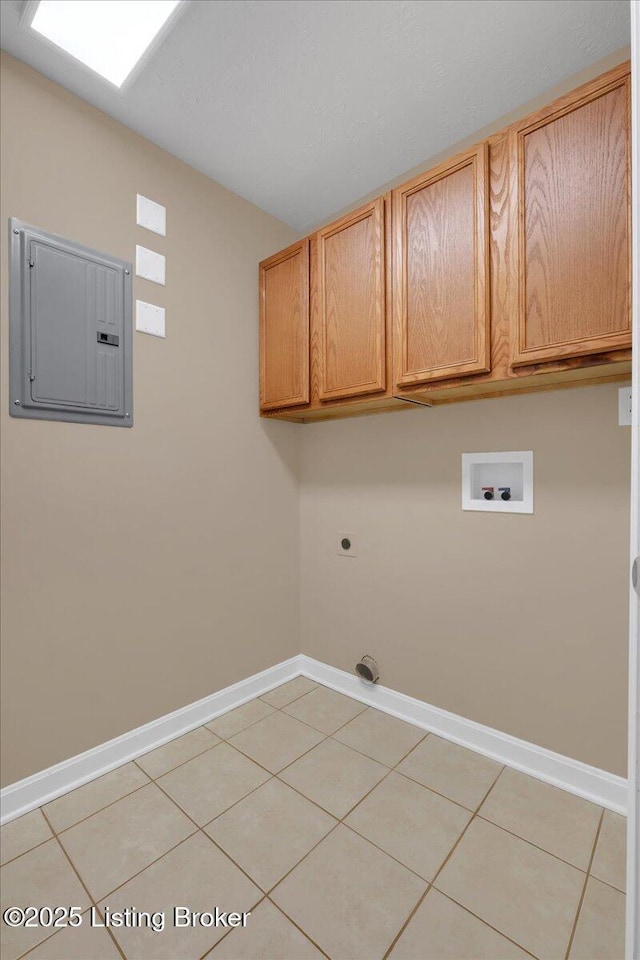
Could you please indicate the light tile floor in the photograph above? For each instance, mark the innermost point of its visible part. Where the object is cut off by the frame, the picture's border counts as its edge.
(345, 833)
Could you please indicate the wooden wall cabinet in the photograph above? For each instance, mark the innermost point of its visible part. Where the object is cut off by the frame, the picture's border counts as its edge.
(571, 195)
(441, 271)
(351, 304)
(510, 274)
(344, 367)
(284, 328)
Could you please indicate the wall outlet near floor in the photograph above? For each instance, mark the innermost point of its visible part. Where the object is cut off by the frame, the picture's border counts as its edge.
(347, 545)
(624, 406)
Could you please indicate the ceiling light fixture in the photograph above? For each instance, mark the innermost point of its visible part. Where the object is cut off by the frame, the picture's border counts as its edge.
(109, 36)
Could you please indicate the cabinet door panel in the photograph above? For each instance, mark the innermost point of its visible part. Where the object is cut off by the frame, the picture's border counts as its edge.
(572, 169)
(284, 328)
(351, 304)
(441, 272)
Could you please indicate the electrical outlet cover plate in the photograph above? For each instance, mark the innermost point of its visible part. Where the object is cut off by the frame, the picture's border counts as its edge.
(150, 265)
(151, 215)
(352, 551)
(624, 406)
(149, 318)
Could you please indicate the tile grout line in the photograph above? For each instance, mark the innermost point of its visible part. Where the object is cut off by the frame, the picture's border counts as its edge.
(227, 933)
(301, 860)
(307, 723)
(606, 883)
(235, 732)
(304, 796)
(439, 870)
(574, 926)
(230, 807)
(340, 822)
(325, 737)
(36, 946)
(212, 746)
(369, 757)
(25, 852)
(59, 833)
(84, 886)
(476, 814)
(151, 864)
(211, 840)
(486, 923)
(261, 695)
(531, 843)
(298, 927)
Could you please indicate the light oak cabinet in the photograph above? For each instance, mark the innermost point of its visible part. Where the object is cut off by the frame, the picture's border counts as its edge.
(441, 271)
(351, 304)
(284, 328)
(506, 269)
(571, 195)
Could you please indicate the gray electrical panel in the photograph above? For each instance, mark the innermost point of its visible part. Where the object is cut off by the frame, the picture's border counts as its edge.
(70, 355)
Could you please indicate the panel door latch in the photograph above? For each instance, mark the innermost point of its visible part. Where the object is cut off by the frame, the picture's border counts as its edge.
(109, 338)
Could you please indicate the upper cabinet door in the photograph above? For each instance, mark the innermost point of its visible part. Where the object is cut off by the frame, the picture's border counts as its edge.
(570, 178)
(284, 328)
(441, 271)
(351, 309)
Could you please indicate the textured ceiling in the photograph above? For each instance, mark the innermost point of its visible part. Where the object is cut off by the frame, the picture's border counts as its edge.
(302, 106)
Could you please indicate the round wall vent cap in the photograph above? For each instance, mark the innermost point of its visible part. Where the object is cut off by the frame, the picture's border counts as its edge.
(367, 669)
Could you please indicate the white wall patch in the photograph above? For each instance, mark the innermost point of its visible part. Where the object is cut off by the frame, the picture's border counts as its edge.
(151, 215)
(150, 318)
(150, 265)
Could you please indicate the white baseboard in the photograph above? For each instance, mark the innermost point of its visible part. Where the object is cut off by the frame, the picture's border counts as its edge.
(25, 795)
(596, 785)
(599, 786)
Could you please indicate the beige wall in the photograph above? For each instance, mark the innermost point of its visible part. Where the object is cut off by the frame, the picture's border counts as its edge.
(518, 622)
(144, 568)
(515, 621)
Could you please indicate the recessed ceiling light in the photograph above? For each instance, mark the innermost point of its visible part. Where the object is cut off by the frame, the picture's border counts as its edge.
(109, 36)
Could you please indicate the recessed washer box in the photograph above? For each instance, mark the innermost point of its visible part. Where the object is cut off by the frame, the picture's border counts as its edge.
(70, 341)
(498, 482)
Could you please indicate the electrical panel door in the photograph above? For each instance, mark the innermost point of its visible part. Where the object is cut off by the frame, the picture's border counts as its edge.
(71, 343)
